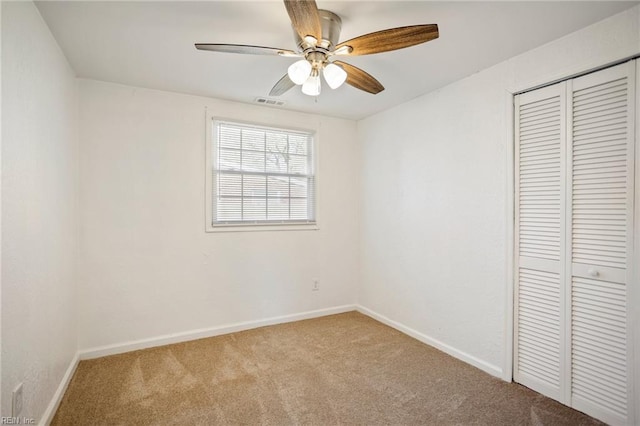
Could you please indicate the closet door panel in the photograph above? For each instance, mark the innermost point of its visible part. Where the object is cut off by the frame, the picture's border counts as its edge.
(540, 152)
(601, 171)
(575, 152)
(539, 330)
(599, 349)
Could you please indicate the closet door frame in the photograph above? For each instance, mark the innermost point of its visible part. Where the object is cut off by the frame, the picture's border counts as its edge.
(634, 293)
(633, 271)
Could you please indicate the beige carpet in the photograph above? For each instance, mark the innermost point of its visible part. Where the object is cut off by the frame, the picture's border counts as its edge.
(340, 369)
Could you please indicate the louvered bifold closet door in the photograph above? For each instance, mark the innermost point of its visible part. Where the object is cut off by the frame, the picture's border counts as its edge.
(601, 240)
(540, 197)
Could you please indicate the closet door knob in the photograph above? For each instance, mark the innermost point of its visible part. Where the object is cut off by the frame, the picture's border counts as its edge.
(593, 272)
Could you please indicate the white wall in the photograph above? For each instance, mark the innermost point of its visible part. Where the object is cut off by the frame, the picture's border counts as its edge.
(149, 269)
(39, 209)
(434, 233)
(428, 242)
(0, 205)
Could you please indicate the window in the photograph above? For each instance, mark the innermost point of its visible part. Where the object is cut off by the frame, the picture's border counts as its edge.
(260, 175)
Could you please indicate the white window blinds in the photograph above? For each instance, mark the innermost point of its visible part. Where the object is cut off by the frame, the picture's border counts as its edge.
(262, 175)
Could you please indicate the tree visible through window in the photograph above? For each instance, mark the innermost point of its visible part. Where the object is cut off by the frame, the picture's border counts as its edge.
(262, 175)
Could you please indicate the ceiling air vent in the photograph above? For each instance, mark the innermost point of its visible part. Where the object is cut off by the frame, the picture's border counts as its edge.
(267, 101)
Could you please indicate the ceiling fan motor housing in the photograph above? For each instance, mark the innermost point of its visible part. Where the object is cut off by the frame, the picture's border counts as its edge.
(331, 25)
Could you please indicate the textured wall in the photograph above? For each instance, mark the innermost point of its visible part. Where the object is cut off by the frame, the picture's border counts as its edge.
(435, 183)
(39, 209)
(148, 268)
(433, 245)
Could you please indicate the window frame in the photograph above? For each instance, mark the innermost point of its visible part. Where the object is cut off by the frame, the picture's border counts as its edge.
(211, 144)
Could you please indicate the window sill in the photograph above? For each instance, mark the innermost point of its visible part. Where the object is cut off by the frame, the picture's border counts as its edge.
(266, 227)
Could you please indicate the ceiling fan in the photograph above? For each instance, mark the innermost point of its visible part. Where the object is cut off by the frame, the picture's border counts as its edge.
(317, 32)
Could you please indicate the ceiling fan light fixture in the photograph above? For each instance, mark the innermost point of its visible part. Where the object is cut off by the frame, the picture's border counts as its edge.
(299, 71)
(334, 75)
(311, 87)
(317, 35)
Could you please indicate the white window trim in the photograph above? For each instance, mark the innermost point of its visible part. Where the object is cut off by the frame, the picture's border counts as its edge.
(253, 227)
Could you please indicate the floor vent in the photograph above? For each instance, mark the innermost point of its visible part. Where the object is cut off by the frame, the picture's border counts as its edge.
(267, 101)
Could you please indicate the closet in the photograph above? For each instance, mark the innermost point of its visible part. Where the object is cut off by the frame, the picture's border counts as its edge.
(574, 175)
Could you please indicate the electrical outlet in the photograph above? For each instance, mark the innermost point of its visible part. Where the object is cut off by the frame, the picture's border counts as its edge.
(16, 401)
(316, 285)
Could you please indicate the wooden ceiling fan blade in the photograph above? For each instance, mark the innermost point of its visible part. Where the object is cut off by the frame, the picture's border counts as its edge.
(246, 49)
(360, 79)
(304, 18)
(391, 39)
(283, 85)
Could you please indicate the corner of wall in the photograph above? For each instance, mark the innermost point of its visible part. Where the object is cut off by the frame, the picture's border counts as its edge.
(450, 350)
(39, 173)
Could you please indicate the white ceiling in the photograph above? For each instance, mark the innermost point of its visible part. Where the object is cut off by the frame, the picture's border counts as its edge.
(150, 44)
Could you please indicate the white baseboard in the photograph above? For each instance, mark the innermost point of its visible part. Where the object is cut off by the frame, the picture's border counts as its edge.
(456, 353)
(47, 417)
(119, 348)
(202, 333)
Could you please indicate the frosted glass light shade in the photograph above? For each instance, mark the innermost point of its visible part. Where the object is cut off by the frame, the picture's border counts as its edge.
(299, 71)
(311, 87)
(334, 75)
